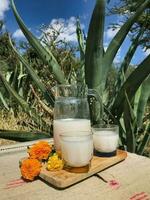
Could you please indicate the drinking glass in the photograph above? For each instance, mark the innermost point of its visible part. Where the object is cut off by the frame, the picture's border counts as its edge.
(105, 139)
(77, 150)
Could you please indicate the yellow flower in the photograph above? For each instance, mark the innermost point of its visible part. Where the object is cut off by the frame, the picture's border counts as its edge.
(54, 163)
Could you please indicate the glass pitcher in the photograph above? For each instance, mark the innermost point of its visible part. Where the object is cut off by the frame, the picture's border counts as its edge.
(71, 111)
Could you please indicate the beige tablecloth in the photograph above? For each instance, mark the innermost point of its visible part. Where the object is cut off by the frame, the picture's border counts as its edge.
(133, 175)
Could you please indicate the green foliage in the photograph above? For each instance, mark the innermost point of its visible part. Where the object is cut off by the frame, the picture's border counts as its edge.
(143, 99)
(94, 48)
(23, 136)
(48, 96)
(3, 101)
(121, 105)
(130, 124)
(81, 40)
(126, 8)
(130, 86)
(24, 104)
(6, 53)
(145, 140)
(46, 56)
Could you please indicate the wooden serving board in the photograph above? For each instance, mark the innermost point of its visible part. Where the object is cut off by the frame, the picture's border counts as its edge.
(62, 178)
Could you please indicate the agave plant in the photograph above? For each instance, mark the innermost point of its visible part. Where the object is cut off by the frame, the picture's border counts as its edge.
(121, 108)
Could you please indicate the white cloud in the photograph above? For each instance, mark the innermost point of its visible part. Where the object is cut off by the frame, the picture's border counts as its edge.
(4, 6)
(110, 33)
(18, 34)
(67, 29)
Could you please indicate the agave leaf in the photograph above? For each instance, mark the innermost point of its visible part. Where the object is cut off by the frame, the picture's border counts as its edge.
(20, 80)
(129, 122)
(47, 57)
(3, 65)
(105, 96)
(24, 104)
(129, 55)
(47, 94)
(96, 106)
(130, 86)
(22, 136)
(125, 64)
(119, 82)
(80, 75)
(3, 101)
(145, 94)
(21, 76)
(122, 133)
(119, 38)
(136, 100)
(8, 76)
(14, 82)
(81, 40)
(145, 140)
(94, 47)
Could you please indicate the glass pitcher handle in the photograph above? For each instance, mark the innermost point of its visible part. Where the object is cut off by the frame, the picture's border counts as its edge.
(98, 105)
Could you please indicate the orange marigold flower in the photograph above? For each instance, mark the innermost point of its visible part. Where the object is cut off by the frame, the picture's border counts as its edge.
(30, 168)
(40, 150)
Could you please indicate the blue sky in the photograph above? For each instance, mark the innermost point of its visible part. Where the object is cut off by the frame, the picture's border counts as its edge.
(37, 12)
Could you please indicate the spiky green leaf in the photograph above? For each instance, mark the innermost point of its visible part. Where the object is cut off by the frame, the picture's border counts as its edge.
(131, 51)
(129, 122)
(145, 140)
(119, 38)
(145, 94)
(24, 104)
(81, 41)
(47, 57)
(94, 47)
(47, 94)
(23, 136)
(131, 85)
(4, 101)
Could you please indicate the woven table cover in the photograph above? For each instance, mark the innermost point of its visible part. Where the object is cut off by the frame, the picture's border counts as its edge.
(129, 179)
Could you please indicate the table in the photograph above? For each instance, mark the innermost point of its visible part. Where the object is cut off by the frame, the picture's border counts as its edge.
(133, 175)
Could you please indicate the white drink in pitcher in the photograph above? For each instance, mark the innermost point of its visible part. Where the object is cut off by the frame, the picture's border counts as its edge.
(69, 125)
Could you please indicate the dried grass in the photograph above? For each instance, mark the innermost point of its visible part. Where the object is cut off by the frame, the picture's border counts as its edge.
(8, 121)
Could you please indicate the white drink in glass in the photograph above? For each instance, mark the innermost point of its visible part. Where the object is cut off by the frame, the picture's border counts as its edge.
(77, 151)
(105, 141)
(69, 125)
